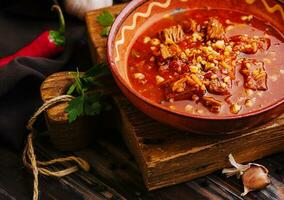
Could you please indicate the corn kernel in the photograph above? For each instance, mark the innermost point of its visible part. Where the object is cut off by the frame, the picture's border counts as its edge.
(220, 44)
(228, 21)
(248, 65)
(155, 42)
(227, 79)
(223, 85)
(214, 76)
(146, 39)
(247, 18)
(248, 103)
(256, 72)
(183, 56)
(235, 108)
(226, 53)
(199, 111)
(159, 79)
(139, 76)
(188, 108)
(187, 52)
(198, 65)
(196, 37)
(259, 93)
(249, 92)
(228, 48)
(194, 69)
(199, 59)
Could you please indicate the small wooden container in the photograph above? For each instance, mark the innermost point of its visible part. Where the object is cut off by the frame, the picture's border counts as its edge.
(65, 136)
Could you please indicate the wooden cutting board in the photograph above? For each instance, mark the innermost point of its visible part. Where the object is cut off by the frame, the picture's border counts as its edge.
(167, 156)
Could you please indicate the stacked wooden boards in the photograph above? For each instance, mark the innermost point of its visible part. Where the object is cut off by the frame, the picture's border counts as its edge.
(167, 156)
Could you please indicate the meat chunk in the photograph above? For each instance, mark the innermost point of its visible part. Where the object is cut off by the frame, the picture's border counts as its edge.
(218, 87)
(255, 76)
(173, 34)
(212, 104)
(250, 45)
(183, 87)
(215, 30)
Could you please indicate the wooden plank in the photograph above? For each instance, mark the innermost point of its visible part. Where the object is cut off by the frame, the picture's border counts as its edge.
(114, 173)
(167, 156)
(97, 42)
(111, 163)
(17, 183)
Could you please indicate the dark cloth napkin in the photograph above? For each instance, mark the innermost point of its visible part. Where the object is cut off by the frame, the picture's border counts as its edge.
(20, 23)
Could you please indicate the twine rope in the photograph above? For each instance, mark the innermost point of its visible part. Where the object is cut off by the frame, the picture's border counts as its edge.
(38, 167)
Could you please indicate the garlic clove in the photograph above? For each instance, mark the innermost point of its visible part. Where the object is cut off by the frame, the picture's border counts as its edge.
(256, 177)
(246, 191)
(238, 169)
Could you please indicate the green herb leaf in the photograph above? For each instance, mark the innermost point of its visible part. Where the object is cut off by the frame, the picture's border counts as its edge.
(75, 108)
(105, 31)
(71, 89)
(105, 19)
(87, 88)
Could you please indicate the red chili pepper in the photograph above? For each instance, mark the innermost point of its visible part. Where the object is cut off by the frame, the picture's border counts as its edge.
(47, 45)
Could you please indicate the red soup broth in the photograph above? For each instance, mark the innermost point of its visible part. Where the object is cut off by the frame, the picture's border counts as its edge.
(146, 75)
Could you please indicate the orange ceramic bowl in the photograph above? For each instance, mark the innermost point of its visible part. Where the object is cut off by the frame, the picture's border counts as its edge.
(127, 27)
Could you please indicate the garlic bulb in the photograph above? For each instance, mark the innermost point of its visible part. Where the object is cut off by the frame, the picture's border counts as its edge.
(79, 8)
(254, 176)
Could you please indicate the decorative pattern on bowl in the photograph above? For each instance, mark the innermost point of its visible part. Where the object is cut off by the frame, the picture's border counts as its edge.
(271, 9)
(140, 14)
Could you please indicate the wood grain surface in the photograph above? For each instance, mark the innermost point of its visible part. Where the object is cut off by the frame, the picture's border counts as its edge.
(167, 156)
(97, 42)
(115, 175)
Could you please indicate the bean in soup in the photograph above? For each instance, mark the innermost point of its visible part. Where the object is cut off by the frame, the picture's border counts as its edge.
(209, 62)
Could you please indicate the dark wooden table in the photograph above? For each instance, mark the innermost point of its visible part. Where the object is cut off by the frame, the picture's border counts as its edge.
(114, 175)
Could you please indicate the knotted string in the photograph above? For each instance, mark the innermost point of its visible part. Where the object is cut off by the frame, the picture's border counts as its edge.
(38, 167)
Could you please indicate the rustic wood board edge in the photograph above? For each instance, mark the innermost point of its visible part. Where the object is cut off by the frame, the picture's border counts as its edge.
(198, 161)
(129, 140)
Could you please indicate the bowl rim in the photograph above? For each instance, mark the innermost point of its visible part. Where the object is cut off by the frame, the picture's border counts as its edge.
(126, 11)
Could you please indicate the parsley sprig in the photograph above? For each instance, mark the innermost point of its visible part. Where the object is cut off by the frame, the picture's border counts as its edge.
(90, 96)
(105, 19)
